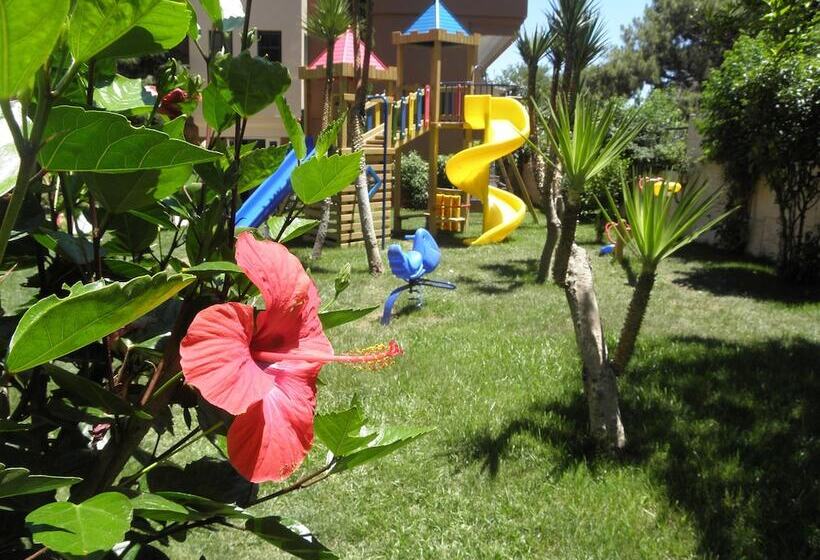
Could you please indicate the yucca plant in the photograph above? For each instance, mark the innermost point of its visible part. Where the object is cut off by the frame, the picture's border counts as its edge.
(585, 143)
(532, 48)
(663, 217)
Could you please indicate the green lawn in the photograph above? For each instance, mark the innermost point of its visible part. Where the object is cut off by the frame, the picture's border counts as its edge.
(720, 407)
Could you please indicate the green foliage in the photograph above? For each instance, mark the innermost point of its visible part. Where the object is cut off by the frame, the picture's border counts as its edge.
(609, 180)
(661, 145)
(116, 28)
(80, 140)
(259, 164)
(19, 481)
(124, 94)
(339, 317)
(55, 326)
(328, 19)
(295, 132)
(415, 179)
(283, 232)
(28, 33)
(248, 83)
(290, 536)
(441, 170)
(662, 223)
(319, 178)
(226, 15)
(96, 524)
(588, 142)
(761, 118)
(9, 158)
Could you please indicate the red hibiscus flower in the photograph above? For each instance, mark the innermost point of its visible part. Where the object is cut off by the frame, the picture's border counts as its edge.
(263, 369)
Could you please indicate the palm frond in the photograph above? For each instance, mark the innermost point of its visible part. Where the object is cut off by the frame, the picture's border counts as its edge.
(328, 20)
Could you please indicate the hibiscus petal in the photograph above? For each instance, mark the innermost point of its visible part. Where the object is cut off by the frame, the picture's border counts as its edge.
(277, 273)
(216, 358)
(271, 439)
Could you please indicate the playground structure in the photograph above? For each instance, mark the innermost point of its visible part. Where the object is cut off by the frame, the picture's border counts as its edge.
(412, 267)
(406, 112)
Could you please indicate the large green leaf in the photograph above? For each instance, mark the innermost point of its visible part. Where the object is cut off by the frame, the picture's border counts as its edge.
(157, 508)
(226, 15)
(17, 481)
(55, 326)
(297, 228)
(259, 165)
(212, 268)
(290, 536)
(292, 127)
(387, 441)
(124, 94)
(338, 317)
(329, 135)
(9, 158)
(28, 32)
(340, 431)
(131, 234)
(249, 83)
(89, 392)
(96, 524)
(123, 192)
(80, 140)
(77, 250)
(320, 178)
(126, 28)
(216, 110)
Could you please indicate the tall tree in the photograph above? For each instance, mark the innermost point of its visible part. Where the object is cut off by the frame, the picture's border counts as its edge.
(556, 57)
(374, 260)
(328, 20)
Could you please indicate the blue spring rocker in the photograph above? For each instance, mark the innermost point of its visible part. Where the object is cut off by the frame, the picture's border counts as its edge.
(411, 266)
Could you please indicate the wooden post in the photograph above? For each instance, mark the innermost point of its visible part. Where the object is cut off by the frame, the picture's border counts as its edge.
(435, 115)
(396, 194)
(399, 69)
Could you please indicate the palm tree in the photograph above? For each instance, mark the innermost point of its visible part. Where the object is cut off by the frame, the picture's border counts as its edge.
(556, 58)
(580, 38)
(374, 260)
(532, 49)
(584, 145)
(328, 20)
(660, 224)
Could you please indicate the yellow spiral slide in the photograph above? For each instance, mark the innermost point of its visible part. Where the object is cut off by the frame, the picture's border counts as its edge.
(506, 124)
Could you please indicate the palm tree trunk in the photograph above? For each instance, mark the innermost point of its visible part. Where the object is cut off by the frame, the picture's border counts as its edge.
(566, 239)
(600, 382)
(553, 221)
(634, 318)
(327, 117)
(374, 260)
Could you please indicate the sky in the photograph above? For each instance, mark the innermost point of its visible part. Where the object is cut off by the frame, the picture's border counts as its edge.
(614, 13)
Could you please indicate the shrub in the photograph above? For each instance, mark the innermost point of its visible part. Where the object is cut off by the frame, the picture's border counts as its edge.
(414, 180)
(441, 165)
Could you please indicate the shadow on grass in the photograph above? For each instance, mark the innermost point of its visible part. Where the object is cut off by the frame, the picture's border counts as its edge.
(732, 432)
(506, 277)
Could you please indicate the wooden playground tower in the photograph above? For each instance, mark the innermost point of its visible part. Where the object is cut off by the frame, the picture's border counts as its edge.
(396, 117)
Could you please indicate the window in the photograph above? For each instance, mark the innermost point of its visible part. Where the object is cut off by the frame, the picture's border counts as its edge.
(270, 45)
(219, 40)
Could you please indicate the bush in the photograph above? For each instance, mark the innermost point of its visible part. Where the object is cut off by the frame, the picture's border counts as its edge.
(441, 164)
(414, 180)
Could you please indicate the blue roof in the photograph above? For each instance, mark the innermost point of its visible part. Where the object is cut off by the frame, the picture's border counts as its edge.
(437, 16)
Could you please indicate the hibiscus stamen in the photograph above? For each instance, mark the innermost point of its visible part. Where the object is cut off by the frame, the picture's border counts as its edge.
(371, 358)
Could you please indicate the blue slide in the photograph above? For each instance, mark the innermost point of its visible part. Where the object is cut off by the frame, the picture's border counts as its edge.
(270, 194)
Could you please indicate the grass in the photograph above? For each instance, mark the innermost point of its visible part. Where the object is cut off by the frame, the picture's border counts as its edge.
(720, 407)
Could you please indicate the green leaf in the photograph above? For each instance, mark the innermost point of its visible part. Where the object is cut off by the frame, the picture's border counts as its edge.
(248, 83)
(338, 317)
(17, 481)
(194, 32)
(342, 280)
(125, 269)
(289, 536)
(126, 28)
(89, 392)
(319, 178)
(340, 431)
(9, 158)
(28, 32)
(80, 140)
(226, 15)
(96, 524)
(387, 441)
(77, 250)
(55, 326)
(124, 94)
(297, 228)
(130, 234)
(292, 127)
(212, 268)
(259, 165)
(123, 192)
(205, 506)
(216, 110)
(329, 135)
(9, 426)
(157, 508)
